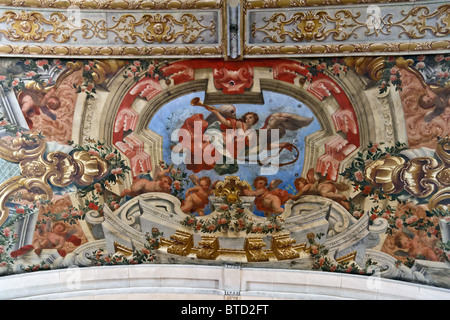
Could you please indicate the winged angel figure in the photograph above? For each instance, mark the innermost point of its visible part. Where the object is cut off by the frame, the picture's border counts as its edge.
(222, 140)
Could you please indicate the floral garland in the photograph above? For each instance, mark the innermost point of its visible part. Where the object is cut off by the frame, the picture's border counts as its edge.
(88, 85)
(118, 167)
(15, 130)
(440, 64)
(152, 69)
(30, 70)
(144, 255)
(355, 172)
(321, 262)
(8, 236)
(231, 217)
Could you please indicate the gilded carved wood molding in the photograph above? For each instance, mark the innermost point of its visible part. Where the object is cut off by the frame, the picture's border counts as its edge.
(217, 28)
(143, 28)
(116, 4)
(256, 4)
(365, 28)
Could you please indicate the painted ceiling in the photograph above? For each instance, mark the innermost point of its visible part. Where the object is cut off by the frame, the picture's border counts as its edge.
(275, 134)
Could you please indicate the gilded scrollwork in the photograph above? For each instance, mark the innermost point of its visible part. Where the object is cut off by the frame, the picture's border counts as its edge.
(160, 28)
(342, 25)
(39, 171)
(421, 177)
(231, 188)
(35, 27)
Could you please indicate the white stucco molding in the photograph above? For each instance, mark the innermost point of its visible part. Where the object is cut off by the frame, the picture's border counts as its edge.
(169, 282)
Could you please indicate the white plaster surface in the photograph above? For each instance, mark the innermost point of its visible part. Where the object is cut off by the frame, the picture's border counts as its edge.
(166, 282)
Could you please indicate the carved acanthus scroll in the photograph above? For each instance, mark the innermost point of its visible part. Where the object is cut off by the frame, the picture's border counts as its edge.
(39, 172)
(421, 177)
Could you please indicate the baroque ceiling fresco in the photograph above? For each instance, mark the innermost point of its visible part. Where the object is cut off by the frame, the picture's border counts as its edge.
(276, 134)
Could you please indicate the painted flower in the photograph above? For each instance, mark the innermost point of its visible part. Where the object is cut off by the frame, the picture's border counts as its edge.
(420, 65)
(2, 78)
(442, 74)
(336, 68)
(224, 207)
(359, 176)
(223, 221)
(439, 57)
(93, 152)
(314, 250)
(7, 231)
(93, 206)
(399, 223)
(109, 156)
(90, 87)
(20, 210)
(410, 220)
(367, 190)
(321, 261)
(116, 171)
(42, 63)
(177, 184)
(357, 214)
(146, 251)
(421, 58)
(2, 249)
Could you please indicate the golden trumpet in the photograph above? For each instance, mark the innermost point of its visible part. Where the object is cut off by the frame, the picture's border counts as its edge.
(197, 102)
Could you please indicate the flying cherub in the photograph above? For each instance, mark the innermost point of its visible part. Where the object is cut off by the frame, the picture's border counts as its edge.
(33, 101)
(197, 197)
(236, 138)
(320, 187)
(51, 235)
(269, 198)
(161, 183)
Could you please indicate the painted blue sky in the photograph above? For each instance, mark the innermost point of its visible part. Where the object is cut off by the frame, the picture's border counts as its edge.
(174, 113)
